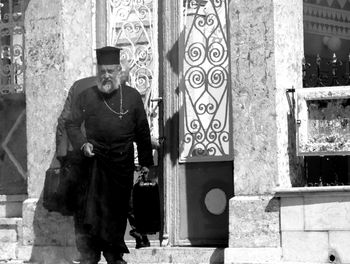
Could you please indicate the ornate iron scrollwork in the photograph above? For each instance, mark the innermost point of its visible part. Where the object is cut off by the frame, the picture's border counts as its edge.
(11, 46)
(205, 110)
(132, 27)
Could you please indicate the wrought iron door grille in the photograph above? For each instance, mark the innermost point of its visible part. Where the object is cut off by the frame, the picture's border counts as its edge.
(132, 26)
(205, 106)
(132, 29)
(11, 46)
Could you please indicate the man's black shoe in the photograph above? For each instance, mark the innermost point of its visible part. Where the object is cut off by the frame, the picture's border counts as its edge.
(142, 242)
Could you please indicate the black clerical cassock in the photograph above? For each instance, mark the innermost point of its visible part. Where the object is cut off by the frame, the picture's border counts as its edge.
(107, 177)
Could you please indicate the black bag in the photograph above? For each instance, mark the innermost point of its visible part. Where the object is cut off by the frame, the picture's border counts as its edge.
(59, 189)
(146, 206)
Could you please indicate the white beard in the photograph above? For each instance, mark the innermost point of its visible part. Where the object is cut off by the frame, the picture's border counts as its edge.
(107, 87)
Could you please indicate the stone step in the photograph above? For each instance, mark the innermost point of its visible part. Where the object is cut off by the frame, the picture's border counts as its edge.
(10, 230)
(13, 262)
(280, 262)
(188, 255)
(11, 205)
(10, 233)
(101, 262)
(10, 222)
(185, 255)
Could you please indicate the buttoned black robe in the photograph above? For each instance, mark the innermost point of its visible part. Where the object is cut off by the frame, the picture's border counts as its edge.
(107, 178)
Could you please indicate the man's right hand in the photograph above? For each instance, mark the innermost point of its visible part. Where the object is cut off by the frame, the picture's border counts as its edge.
(88, 150)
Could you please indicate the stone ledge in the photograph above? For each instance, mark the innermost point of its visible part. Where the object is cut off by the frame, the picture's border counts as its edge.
(15, 262)
(253, 255)
(301, 191)
(13, 198)
(10, 222)
(186, 255)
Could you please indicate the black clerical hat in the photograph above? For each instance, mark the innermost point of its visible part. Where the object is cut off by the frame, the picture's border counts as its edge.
(108, 55)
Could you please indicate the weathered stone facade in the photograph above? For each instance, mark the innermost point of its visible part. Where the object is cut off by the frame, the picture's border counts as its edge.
(58, 52)
(265, 62)
(254, 97)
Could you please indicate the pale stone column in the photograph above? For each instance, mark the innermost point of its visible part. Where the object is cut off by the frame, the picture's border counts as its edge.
(58, 51)
(266, 54)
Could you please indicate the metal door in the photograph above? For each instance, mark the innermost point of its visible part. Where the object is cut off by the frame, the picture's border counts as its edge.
(205, 174)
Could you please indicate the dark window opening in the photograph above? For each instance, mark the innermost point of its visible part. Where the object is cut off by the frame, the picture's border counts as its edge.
(327, 63)
(327, 170)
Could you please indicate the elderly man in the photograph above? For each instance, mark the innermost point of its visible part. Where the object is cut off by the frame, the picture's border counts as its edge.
(114, 117)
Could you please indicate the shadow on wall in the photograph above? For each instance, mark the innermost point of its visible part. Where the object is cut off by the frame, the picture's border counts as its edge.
(52, 234)
(218, 256)
(297, 177)
(273, 205)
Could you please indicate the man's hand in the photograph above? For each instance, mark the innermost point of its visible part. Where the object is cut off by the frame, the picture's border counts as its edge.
(155, 142)
(145, 173)
(88, 150)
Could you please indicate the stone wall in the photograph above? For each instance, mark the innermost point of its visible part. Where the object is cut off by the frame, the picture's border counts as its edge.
(266, 54)
(44, 53)
(254, 96)
(58, 51)
(315, 219)
(251, 225)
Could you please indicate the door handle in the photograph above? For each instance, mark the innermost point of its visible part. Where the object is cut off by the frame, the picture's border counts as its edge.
(157, 99)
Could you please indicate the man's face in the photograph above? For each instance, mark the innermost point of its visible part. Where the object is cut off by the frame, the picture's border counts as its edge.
(108, 77)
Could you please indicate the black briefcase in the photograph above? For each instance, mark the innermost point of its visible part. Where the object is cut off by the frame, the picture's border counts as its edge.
(146, 206)
(59, 190)
(50, 198)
